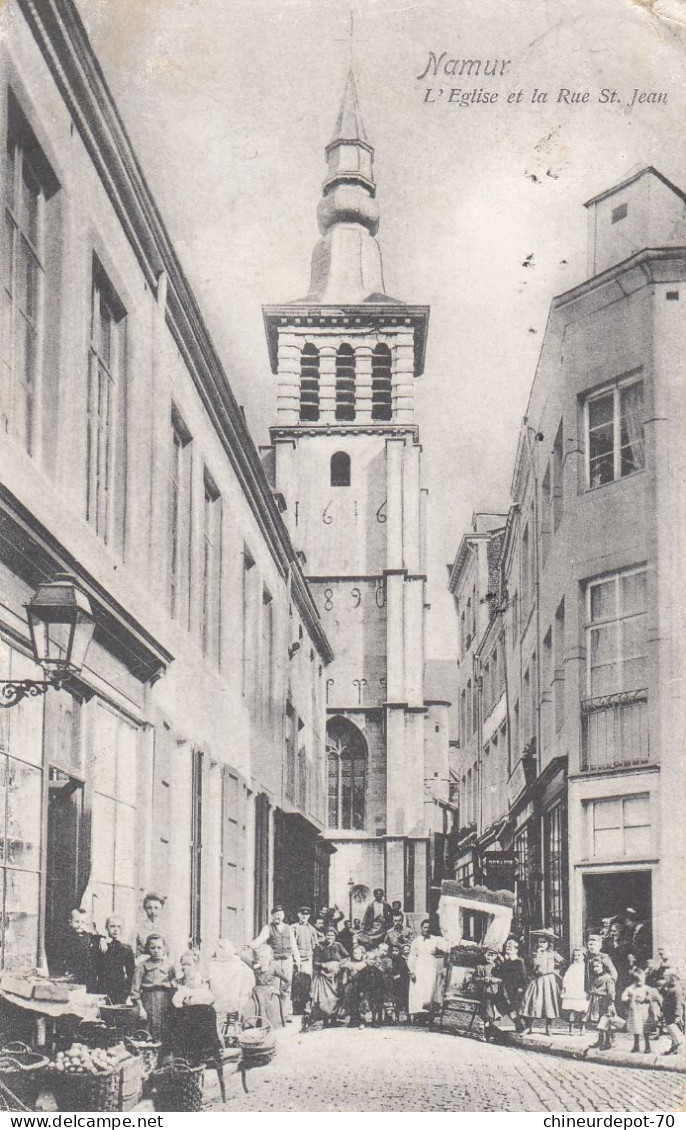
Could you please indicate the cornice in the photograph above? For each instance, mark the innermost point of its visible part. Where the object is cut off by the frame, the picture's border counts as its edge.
(299, 431)
(62, 39)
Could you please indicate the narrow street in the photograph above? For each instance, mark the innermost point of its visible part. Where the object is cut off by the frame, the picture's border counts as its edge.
(404, 1070)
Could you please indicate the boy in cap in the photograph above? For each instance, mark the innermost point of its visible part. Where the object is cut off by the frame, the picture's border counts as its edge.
(306, 938)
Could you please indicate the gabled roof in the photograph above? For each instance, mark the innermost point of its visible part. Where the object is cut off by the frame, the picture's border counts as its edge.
(630, 180)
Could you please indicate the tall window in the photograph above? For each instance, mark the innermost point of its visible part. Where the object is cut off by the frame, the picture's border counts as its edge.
(347, 760)
(309, 383)
(180, 512)
(114, 816)
(557, 477)
(615, 713)
(554, 868)
(104, 433)
(614, 427)
(249, 582)
(559, 665)
(340, 469)
(30, 183)
(381, 383)
(196, 846)
(345, 383)
(211, 570)
(267, 656)
(616, 643)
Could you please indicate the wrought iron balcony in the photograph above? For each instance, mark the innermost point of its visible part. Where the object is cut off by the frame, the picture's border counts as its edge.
(614, 731)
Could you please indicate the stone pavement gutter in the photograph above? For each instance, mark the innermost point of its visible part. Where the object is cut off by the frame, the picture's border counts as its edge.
(570, 1047)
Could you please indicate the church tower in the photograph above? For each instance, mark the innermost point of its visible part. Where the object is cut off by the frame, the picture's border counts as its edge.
(347, 462)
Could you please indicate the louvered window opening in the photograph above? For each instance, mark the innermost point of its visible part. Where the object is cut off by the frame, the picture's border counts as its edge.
(345, 383)
(309, 383)
(381, 383)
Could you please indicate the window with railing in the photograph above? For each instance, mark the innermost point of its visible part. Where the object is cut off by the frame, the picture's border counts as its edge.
(614, 714)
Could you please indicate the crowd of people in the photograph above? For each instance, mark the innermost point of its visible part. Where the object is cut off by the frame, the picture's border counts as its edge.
(372, 971)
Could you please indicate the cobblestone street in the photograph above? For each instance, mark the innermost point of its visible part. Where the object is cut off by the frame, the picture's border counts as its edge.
(403, 1070)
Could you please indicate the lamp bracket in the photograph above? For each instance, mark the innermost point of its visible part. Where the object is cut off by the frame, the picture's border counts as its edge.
(13, 691)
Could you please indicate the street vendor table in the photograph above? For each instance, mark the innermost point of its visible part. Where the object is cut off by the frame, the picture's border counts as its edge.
(80, 1006)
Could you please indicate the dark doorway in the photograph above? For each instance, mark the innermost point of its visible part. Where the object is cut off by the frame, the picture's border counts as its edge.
(610, 894)
(67, 864)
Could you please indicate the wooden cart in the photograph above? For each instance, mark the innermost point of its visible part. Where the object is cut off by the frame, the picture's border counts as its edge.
(476, 923)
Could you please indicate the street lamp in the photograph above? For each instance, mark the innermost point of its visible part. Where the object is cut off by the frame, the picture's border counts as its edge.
(61, 624)
(351, 887)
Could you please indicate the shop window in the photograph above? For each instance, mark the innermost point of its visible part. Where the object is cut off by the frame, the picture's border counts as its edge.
(345, 383)
(309, 384)
(340, 469)
(614, 432)
(347, 762)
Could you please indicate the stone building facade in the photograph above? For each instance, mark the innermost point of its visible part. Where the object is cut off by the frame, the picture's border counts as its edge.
(589, 600)
(347, 462)
(194, 741)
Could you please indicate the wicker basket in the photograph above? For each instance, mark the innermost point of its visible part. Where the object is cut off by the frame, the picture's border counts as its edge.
(178, 1086)
(258, 1043)
(20, 1072)
(147, 1049)
(85, 1092)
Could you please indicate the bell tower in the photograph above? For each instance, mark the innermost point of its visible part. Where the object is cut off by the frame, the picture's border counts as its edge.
(347, 462)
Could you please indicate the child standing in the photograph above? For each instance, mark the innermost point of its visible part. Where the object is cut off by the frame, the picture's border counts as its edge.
(574, 999)
(672, 1008)
(153, 985)
(511, 972)
(542, 996)
(644, 1002)
(601, 1003)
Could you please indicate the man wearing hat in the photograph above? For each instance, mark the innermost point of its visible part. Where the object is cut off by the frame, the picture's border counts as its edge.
(306, 938)
(278, 935)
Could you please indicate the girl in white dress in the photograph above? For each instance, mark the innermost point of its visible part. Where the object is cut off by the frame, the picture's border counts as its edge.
(423, 965)
(574, 1000)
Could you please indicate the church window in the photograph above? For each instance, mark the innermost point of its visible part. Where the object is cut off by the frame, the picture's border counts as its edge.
(381, 383)
(309, 383)
(347, 766)
(345, 383)
(340, 469)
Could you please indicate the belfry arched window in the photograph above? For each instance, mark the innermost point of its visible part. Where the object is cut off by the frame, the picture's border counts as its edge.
(345, 383)
(340, 469)
(347, 764)
(309, 383)
(381, 383)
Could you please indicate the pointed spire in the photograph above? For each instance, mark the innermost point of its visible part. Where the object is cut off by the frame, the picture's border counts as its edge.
(346, 263)
(349, 125)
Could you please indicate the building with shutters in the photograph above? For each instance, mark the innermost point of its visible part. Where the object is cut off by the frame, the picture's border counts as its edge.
(195, 736)
(346, 458)
(591, 800)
